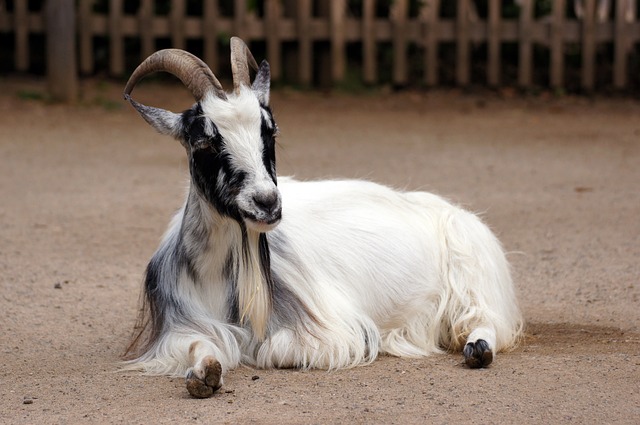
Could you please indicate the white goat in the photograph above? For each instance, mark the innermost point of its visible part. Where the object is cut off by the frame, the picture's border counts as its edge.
(325, 274)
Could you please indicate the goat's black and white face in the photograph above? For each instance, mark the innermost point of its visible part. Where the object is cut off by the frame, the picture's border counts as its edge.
(231, 148)
(230, 143)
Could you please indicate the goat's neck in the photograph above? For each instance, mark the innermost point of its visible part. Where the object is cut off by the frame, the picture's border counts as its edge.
(226, 251)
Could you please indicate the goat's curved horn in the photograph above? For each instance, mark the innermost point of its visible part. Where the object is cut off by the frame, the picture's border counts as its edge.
(241, 58)
(193, 72)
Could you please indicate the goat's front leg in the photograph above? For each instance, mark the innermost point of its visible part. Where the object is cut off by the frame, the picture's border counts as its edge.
(479, 349)
(204, 377)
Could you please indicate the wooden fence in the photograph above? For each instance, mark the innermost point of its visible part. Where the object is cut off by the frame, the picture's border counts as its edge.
(408, 29)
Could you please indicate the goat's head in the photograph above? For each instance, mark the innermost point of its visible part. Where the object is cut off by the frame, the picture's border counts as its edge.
(229, 138)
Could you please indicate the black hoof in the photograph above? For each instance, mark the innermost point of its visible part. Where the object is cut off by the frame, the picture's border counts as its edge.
(209, 384)
(478, 354)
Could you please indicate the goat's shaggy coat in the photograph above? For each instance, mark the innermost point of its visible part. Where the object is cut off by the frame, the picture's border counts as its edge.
(330, 274)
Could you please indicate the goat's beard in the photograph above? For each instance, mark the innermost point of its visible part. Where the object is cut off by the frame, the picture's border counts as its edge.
(254, 291)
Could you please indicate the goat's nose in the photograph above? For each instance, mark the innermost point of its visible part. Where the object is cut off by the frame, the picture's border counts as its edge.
(267, 202)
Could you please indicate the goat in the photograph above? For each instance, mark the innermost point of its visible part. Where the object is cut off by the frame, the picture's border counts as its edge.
(278, 273)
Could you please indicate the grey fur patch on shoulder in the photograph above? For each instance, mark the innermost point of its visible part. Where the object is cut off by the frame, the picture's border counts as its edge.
(289, 310)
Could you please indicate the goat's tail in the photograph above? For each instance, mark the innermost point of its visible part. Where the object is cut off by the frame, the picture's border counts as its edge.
(478, 290)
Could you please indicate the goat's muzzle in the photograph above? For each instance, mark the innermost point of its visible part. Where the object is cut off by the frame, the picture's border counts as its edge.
(264, 211)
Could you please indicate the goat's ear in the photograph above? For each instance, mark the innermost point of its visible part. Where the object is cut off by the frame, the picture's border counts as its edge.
(165, 122)
(262, 83)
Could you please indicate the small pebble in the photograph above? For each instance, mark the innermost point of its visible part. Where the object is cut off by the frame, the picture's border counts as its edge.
(57, 285)
(255, 377)
(27, 400)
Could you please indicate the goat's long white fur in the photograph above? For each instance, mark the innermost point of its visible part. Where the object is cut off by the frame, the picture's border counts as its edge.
(345, 271)
(407, 274)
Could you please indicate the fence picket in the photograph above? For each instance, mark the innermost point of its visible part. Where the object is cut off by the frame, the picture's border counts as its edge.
(61, 55)
(557, 44)
(85, 35)
(305, 48)
(493, 41)
(145, 27)
(273, 15)
(239, 19)
(210, 33)
(463, 70)
(21, 25)
(525, 57)
(177, 24)
(116, 47)
(429, 18)
(369, 50)
(399, 11)
(620, 45)
(338, 49)
(588, 45)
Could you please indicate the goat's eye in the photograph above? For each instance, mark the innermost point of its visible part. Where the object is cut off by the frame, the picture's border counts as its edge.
(205, 144)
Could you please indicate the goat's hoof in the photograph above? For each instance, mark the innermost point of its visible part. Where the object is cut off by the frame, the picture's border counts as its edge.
(204, 380)
(477, 354)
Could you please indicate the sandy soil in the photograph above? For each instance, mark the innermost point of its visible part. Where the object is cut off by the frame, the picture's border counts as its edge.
(86, 192)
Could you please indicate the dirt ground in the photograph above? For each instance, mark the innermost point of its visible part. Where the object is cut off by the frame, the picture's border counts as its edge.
(87, 190)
